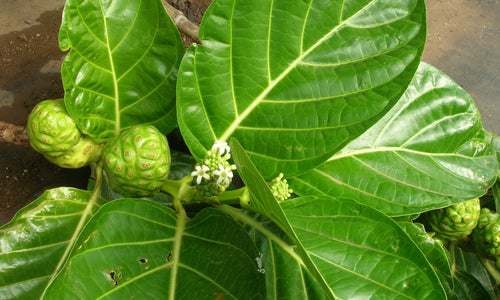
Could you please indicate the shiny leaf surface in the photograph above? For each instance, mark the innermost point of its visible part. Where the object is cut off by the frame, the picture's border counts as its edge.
(122, 66)
(427, 152)
(33, 245)
(295, 81)
(112, 259)
(350, 249)
(286, 276)
(360, 252)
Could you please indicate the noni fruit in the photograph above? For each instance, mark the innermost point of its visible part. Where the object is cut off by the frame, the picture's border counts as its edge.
(53, 133)
(486, 236)
(137, 161)
(50, 128)
(455, 221)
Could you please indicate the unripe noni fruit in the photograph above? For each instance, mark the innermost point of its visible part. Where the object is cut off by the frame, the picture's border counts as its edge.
(486, 236)
(53, 133)
(85, 151)
(137, 161)
(50, 128)
(455, 221)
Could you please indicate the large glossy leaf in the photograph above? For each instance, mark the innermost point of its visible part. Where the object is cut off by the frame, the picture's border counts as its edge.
(35, 244)
(427, 152)
(286, 275)
(350, 249)
(134, 248)
(263, 201)
(360, 252)
(433, 249)
(122, 66)
(295, 81)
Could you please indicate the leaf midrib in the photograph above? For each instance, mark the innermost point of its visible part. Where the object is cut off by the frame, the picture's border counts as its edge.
(234, 125)
(113, 72)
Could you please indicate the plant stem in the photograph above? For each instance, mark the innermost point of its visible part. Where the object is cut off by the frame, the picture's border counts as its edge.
(228, 197)
(183, 24)
(180, 189)
(179, 231)
(451, 249)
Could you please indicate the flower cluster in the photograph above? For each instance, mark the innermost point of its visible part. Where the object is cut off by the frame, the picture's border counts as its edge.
(213, 175)
(279, 188)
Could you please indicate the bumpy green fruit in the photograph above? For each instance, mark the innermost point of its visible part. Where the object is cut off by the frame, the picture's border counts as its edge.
(53, 133)
(455, 221)
(85, 151)
(137, 161)
(50, 128)
(486, 236)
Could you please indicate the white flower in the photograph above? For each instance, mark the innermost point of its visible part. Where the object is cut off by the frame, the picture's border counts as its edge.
(200, 173)
(222, 146)
(224, 174)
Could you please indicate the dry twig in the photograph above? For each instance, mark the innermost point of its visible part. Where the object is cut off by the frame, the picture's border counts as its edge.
(13, 134)
(183, 24)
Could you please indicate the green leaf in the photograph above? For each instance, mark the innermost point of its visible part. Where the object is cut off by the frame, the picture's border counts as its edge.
(136, 248)
(360, 252)
(350, 249)
(35, 244)
(469, 288)
(263, 201)
(286, 276)
(433, 249)
(473, 278)
(182, 165)
(295, 81)
(122, 67)
(494, 140)
(426, 153)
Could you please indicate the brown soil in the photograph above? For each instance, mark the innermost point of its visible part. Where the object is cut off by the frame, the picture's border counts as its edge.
(29, 61)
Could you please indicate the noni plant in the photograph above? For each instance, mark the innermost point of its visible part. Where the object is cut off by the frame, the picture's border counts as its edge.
(486, 236)
(309, 138)
(455, 221)
(53, 133)
(137, 161)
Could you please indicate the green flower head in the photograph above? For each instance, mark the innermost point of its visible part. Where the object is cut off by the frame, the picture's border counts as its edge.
(213, 175)
(279, 188)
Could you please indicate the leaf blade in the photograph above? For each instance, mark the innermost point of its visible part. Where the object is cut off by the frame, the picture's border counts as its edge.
(361, 252)
(235, 84)
(123, 72)
(427, 152)
(37, 239)
(214, 259)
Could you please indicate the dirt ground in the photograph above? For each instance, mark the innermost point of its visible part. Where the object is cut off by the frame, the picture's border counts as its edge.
(463, 41)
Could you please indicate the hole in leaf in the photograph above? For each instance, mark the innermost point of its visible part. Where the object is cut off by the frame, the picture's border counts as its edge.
(143, 260)
(112, 275)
